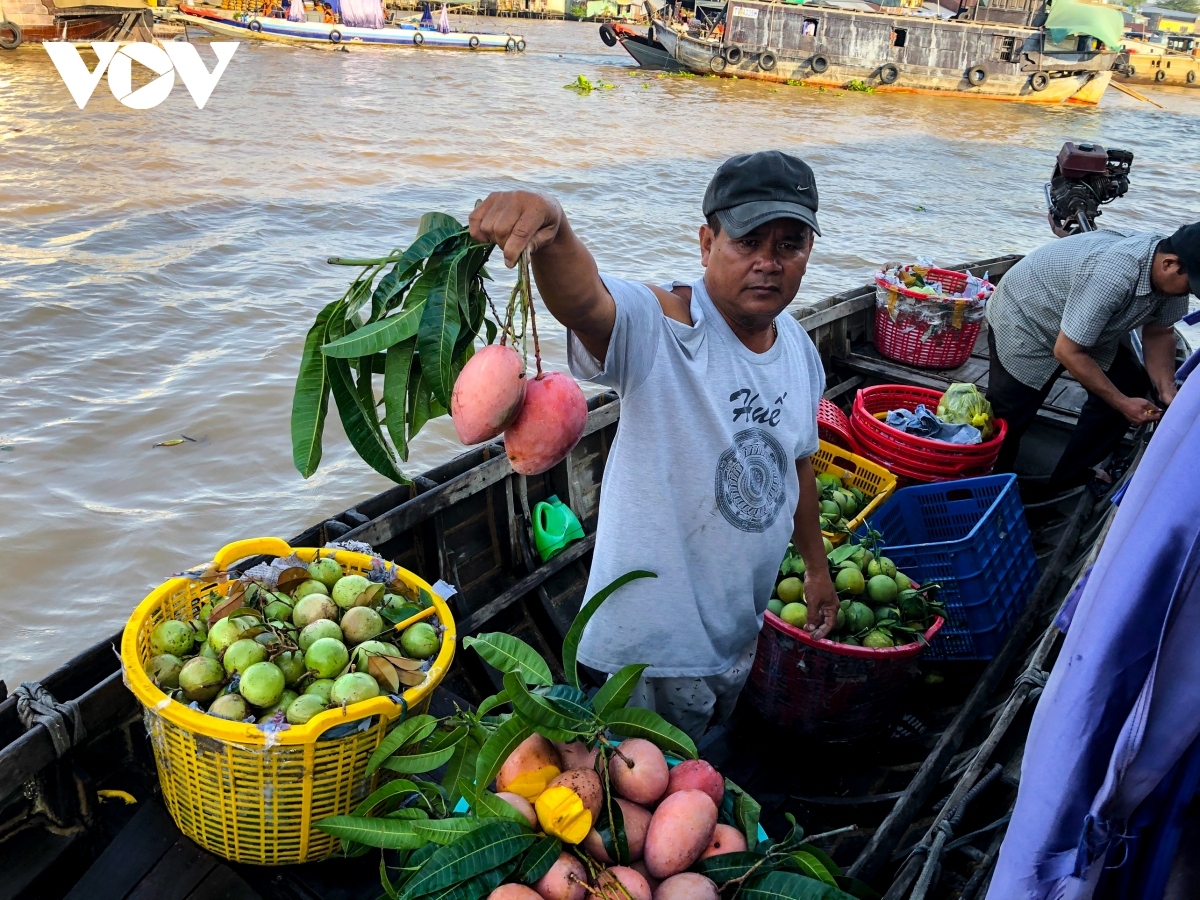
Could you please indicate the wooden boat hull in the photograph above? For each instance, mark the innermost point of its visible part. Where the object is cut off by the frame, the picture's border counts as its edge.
(936, 58)
(281, 31)
(1161, 71)
(649, 54)
(40, 21)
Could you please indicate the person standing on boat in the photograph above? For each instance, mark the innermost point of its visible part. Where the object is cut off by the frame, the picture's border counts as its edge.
(1068, 305)
(709, 476)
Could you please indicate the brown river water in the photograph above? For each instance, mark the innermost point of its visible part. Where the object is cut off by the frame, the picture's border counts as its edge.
(159, 269)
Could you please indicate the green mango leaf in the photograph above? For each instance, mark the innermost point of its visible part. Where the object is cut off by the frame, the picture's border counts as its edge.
(746, 813)
(611, 828)
(420, 762)
(389, 834)
(511, 654)
(391, 789)
(488, 804)
(445, 737)
(570, 649)
(823, 858)
(542, 714)
(860, 890)
(310, 402)
(780, 885)
(539, 859)
(473, 854)
(729, 866)
(422, 406)
(811, 866)
(461, 766)
(410, 731)
(615, 692)
(490, 703)
(389, 293)
(568, 700)
(440, 324)
(477, 888)
(361, 426)
(433, 222)
(447, 831)
(396, 371)
(376, 337)
(841, 554)
(504, 740)
(642, 723)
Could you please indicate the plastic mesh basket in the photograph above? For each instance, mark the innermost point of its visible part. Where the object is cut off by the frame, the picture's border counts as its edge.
(245, 793)
(854, 471)
(833, 426)
(930, 331)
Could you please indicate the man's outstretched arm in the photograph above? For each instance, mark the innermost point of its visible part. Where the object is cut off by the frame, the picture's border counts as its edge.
(565, 272)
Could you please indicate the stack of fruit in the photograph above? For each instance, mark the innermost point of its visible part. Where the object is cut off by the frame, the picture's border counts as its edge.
(880, 606)
(839, 504)
(288, 647)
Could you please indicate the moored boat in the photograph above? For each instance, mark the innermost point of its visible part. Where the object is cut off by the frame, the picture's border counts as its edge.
(1175, 64)
(646, 50)
(1028, 51)
(36, 21)
(266, 28)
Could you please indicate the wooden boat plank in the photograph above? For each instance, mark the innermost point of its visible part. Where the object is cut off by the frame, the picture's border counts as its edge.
(180, 871)
(32, 859)
(223, 883)
(130, 857)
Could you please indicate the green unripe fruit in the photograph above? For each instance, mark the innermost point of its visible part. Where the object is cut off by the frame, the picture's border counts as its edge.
(310, 587)
(858, 617)
(353, 687)
(886, 567)
(828, 545)
(201, 678)
(208, 652)
(828, 480)
(348, 589)
(878, 639)
(846, 503)
(322, 628)
(291, 664)
(243, 654)
(775, 605)
(304, 708)
(850, 581)
(361, 624)
(326, 657)
(882, 589)
(886, 614)
(313, 608)
(903, 582)
(199, 630)
(286, 699)
(790, 590)
(278, 611)
(229, 706)
(830, 509)
(841, 620)
(322, 688)
(851, 641)
(420, 640)
(261, 684)
(795, 614)
(222, 634)
(325, 570)
(164, 670)
(175, 638)
(873, 568)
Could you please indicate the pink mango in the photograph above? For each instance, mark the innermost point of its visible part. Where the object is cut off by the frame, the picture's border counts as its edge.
(488, 394)
(549, 426)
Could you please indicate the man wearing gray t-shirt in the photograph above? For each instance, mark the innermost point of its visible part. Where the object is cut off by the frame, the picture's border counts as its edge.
(709, 476)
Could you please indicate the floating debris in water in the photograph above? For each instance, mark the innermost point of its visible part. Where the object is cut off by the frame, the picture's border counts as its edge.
(175, 442)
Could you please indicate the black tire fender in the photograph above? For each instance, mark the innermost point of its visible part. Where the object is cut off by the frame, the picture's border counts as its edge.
(1131, 72)
(473, 42)
(11, 36)
(819, 63)
(717, 64)
(1191, 77)
(608, 35)
(520, 46)
(1038, 81)
(888, 73)
(511, 45)
(733, 54)
(255, 25)
(977, 75)
(1160, 75)
(767, 61)
(650, 35)
(418, 39)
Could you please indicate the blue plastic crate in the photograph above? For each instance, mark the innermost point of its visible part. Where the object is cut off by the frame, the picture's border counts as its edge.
(971, 537)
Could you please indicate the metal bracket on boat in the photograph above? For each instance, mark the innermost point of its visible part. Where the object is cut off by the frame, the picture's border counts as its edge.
(37, 706)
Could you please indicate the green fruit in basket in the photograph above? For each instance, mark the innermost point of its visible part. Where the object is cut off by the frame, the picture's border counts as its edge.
(851, 641)
(313, 608)
(208, 652)
(286, 699)
(172, 637)
(361, 657)
(278, 611)
(828, 479)
(858, 617)
(886, 614)
(790, 590)
(878, 639)
(830, 509)
(304, 708)
(841, 620)
(859, 497)
(242, 654)
(325, 570)
(353, 687)
(261, 684)
(310, 587)
(361, 624)
(886, 567)
(828, 545)
(850, 581)
(420, 640)
(321, 688)
(322, 628)
(845, 502)
(291, 664)
(904, 582)
(222, 634)
(348, 589)
(795, 614)
(882, 589)
(199, 630)
(231, 707)
(326, 657)
(775, 605)
(164, 670)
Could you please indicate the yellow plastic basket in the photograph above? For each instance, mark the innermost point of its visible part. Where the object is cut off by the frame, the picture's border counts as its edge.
(231, 787)
(871, 478)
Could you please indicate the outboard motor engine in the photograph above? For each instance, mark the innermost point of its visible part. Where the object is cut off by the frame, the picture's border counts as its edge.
(1085, 176)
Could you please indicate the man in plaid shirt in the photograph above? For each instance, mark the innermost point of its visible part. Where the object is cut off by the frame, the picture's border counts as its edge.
(1068, 305)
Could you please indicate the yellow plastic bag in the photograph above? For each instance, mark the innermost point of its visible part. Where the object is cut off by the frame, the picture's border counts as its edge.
(962, 404)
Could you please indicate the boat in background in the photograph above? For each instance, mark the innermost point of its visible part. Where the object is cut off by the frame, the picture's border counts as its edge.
(284, 31)
(646, 50)
(36, 21)
(1175, 63)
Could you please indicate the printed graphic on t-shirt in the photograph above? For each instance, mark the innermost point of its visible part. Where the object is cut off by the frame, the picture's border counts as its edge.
(750, 480)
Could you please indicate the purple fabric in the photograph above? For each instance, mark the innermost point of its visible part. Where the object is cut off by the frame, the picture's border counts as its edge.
(296, 12)
(362, 13)
(1122, 704)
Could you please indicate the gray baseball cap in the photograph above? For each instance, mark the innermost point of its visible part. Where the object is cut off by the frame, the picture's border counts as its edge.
(754, 188)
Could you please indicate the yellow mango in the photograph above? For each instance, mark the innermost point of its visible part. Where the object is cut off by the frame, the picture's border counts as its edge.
(562, 814)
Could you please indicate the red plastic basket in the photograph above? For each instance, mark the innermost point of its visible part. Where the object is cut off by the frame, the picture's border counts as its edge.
(833, 425)
(829, 691)
(908, 339)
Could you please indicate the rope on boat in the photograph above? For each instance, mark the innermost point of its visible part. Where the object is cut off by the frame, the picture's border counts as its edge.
(37, 706)
(944, 832)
